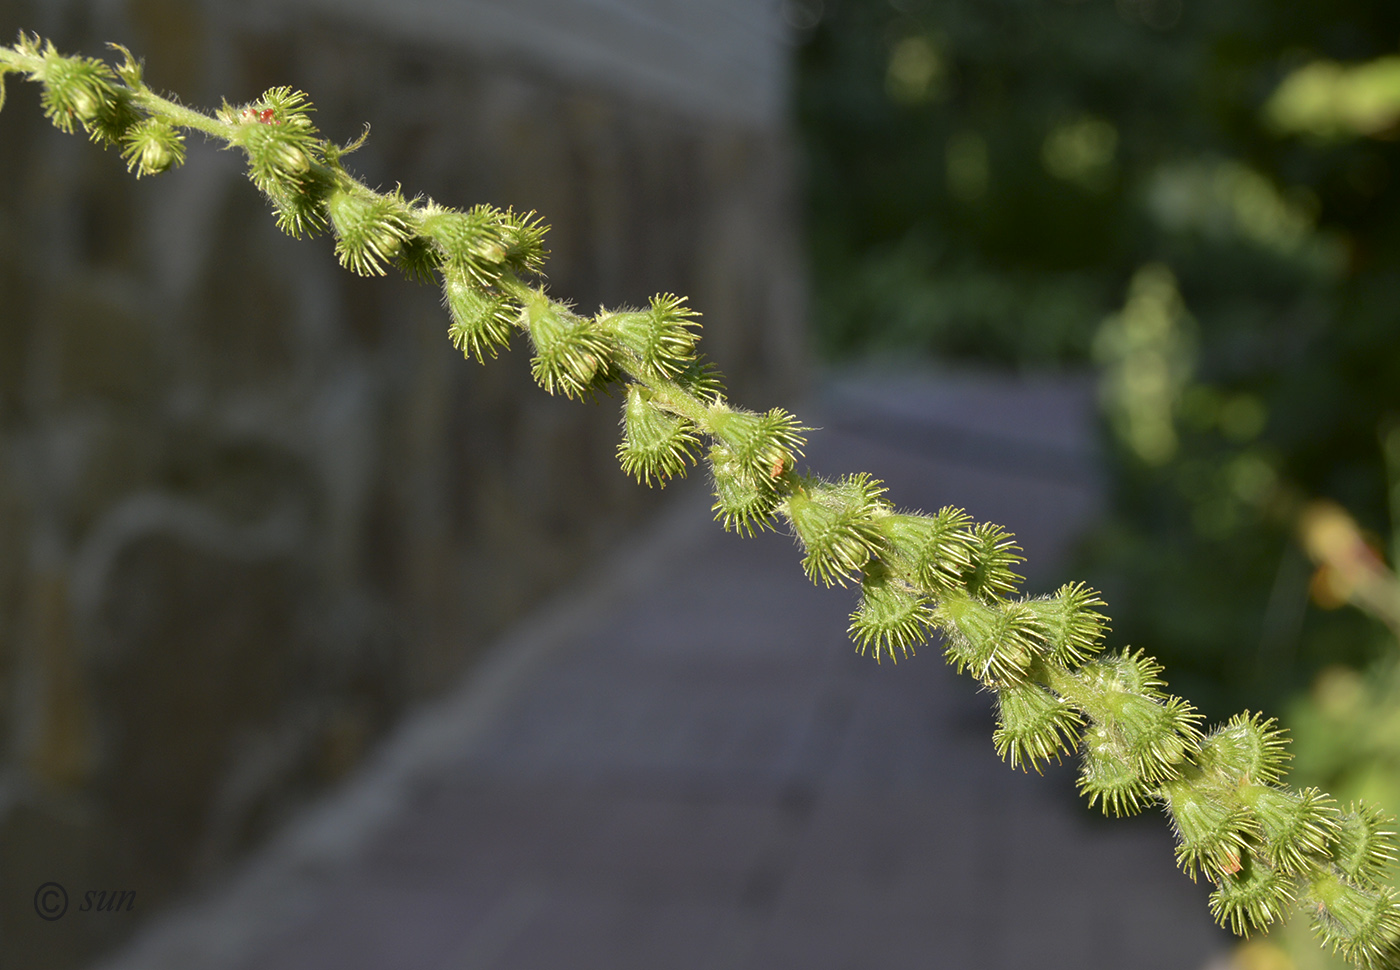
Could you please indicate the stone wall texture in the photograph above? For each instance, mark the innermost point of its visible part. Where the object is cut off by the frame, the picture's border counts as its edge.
(253, 508)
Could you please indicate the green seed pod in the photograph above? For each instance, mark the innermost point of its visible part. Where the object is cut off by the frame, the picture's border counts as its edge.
(522, 241)
(765, 444)
(418, 260)
(1211, 826)
(837, 526)
(1251, 898)
(276, 154)
(743, 504)
(370, 229)
(1156, 733)
(1034, 725)
(1296, 826)
(930, 550)
(301, 205)
(1361, 925)
(996, 643)
(573, 356)
(658, 337)
(75, 89)
(1072, 628)
(1109, 776)
(993, 551)
(701, 379)
(471, 241)
(82, 89)
(891, 615)
(1153, 730)
(481, 320)
(1127, 672)
(1363, 847)
(654, 443)
(151, 147)
(1248, 746)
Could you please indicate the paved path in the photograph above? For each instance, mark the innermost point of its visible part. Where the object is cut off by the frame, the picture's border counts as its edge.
(684, 765)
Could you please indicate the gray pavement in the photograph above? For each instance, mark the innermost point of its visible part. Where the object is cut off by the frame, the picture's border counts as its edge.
(683, 764)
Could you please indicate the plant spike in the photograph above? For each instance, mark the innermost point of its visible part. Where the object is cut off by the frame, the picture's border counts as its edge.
(1262, 844)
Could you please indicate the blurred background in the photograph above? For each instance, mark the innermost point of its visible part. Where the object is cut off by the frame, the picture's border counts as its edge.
(256, 514)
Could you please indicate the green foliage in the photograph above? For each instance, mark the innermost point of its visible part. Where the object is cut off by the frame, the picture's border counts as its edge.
(1172, 197)
(1328, 100)
(1261, 843)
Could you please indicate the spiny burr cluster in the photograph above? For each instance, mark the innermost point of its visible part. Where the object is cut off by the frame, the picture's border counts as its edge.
(1264, 845)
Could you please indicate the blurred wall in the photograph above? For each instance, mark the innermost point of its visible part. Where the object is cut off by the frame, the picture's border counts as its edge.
(252, 507)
